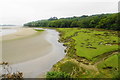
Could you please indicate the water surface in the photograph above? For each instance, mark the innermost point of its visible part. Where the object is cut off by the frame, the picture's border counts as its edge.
(29, 57)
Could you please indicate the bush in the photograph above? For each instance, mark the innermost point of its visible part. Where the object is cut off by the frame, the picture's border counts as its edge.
(54, 74)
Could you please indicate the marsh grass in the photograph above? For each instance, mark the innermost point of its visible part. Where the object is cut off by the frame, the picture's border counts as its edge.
(89, 43)
(109, 63)
(89, 47)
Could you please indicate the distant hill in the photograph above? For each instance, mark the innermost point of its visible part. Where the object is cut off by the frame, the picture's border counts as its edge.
(7, 25)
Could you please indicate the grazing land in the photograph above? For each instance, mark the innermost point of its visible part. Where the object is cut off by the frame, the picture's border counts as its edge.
(91, 53)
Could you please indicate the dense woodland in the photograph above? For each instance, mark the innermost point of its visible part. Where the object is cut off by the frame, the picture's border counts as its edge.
(105, 21)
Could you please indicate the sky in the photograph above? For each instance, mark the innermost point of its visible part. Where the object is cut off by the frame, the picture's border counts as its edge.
(19, 12)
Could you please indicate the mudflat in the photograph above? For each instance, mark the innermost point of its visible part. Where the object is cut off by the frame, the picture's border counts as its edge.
(24, 45)
(32, 52)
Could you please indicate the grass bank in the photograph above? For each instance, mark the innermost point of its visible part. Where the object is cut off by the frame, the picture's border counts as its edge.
(91, 53)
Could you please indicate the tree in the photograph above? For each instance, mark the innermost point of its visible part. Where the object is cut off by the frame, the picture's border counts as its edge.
(105, 21)
(53, 18)
(74, 24)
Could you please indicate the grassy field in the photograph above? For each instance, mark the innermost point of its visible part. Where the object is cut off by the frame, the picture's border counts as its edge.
(91, 53)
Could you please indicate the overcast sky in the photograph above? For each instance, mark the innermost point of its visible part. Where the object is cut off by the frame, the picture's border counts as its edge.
(21, 11)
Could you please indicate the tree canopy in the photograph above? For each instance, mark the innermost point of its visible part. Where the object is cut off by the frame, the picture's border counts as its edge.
(105, 21)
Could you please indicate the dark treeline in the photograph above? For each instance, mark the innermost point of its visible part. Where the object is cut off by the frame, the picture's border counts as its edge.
(105, 21)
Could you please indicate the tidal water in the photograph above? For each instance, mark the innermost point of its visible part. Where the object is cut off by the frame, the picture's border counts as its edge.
(5, 30)
(36, 67)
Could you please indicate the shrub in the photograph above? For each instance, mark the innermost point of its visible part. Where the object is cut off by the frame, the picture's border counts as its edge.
(54, 74)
